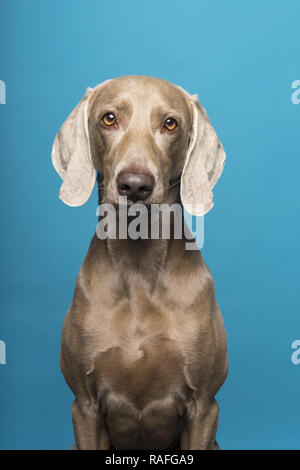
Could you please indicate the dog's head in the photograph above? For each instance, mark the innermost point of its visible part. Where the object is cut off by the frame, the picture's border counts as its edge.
(141, 134)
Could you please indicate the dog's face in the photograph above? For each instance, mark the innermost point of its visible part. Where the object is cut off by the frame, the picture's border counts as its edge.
(139, 129)
(140, 133)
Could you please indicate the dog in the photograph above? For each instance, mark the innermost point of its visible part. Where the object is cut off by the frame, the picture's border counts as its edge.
(144, 348)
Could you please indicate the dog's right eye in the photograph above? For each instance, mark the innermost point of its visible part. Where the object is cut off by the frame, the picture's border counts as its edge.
(109, 119)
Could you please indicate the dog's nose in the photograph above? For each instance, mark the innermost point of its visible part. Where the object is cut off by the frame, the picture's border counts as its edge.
(136, 186)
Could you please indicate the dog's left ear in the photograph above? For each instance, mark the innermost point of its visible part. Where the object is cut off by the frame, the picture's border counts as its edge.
(71, 156)
(203, 165)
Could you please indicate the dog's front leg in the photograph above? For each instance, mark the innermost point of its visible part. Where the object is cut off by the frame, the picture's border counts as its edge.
(89, 427)
(200, 428)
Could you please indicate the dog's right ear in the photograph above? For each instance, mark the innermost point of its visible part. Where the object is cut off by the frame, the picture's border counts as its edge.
(71, 156)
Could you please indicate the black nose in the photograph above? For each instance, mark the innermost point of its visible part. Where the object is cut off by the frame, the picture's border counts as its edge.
(136, 186)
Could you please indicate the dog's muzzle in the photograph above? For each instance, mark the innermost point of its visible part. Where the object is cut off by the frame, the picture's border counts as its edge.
(135, 186)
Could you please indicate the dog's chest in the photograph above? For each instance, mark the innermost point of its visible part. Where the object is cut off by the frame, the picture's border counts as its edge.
(141, 351)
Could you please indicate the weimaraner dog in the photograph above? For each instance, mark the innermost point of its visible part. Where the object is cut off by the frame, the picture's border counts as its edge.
(143, 348)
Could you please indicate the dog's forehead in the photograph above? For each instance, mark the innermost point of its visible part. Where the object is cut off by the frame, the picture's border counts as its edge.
(147, 92)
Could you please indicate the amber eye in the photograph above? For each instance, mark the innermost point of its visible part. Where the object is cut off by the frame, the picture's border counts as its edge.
(108, 119)
(170, 124)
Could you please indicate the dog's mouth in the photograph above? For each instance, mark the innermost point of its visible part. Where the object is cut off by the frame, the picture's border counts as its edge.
(129, 205)
(141, 196)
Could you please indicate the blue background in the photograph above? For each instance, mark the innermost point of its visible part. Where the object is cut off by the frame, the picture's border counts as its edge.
(241, 58)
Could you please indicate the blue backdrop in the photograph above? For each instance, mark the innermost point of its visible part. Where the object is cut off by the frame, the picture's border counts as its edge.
(241, 58)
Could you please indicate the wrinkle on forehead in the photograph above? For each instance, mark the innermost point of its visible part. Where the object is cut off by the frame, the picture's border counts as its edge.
(139, 92)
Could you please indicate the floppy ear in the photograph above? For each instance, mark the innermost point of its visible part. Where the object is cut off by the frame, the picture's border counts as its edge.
(203, 165)
(71, 156)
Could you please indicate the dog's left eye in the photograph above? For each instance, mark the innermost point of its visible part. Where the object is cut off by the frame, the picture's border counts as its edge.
(170, 124)
(108, 119)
